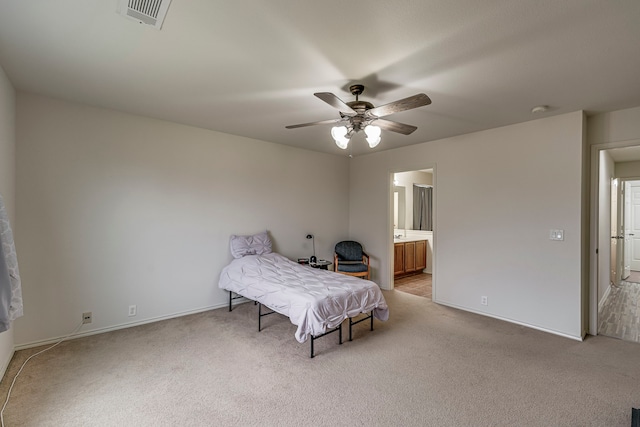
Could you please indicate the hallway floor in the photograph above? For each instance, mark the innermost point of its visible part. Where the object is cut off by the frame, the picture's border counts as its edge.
(633, 277)
(419, 284)
(620, 313)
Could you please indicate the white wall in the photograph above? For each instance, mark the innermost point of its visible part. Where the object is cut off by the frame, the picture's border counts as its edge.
(616, 126)
(498, 193)
(7, 185)
(116, 209)
(627, 169)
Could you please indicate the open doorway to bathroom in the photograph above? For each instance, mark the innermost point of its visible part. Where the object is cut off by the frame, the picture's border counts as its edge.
(413, 227)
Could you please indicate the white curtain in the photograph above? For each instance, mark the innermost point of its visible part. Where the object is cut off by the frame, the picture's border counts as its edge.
(10, 286)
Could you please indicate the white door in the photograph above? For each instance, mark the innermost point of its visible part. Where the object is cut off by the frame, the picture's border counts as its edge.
(628, 233)
(635, 225)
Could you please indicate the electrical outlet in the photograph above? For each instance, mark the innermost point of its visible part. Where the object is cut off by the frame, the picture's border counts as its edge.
(132, 310)
(484, 300)
(87, 317)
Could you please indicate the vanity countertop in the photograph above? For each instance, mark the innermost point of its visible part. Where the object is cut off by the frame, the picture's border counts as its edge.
(408, 239)
(411, 236)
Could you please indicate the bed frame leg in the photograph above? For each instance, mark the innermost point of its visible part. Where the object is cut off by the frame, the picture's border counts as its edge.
(351, 322)
(261, 315)
(313, 338)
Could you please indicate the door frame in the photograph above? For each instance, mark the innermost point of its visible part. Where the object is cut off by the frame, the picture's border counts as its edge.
(615, 258)
(594, 227)
(390, 244)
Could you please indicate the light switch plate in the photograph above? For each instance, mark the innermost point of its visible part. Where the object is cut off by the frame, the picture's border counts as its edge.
(556, 235)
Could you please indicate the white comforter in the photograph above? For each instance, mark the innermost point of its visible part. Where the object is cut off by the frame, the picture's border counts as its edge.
(315, 300)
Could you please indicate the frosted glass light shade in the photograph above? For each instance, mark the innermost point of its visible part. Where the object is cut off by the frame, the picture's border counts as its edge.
(373, 135)
(339, 134)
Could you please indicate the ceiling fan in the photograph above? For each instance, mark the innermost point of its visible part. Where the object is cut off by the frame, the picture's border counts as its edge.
(359, 115)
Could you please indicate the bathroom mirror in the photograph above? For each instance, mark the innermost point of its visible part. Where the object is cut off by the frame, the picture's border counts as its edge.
(399, 207)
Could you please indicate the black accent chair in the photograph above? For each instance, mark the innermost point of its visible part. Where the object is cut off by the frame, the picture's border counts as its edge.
(350, 259)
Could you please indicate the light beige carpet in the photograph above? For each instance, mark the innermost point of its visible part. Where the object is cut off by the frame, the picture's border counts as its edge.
(428, 365)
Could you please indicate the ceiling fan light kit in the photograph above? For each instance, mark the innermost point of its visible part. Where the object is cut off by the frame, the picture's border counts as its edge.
(339, 134)
(359, 115)
(373, 135)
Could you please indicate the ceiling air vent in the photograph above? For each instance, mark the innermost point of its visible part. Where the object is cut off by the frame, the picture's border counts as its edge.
(148, 12)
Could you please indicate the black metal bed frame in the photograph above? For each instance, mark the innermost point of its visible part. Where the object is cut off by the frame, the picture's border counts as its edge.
(351, 322)
(231, 298)
(313, 337)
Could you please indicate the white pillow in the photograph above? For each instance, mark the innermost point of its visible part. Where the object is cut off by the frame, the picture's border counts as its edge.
(258, 244)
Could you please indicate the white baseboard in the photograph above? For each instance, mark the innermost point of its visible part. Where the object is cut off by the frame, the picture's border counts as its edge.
(121, 326)
(517, 322)
(5, 364)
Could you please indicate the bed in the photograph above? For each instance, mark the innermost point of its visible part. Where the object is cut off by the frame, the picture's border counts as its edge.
(316, 301)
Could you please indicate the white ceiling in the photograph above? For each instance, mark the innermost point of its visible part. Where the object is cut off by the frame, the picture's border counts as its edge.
(250, 67)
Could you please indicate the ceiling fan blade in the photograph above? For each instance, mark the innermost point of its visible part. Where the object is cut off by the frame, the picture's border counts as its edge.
(322, 122)
(409, 103)
(336, 103)
(395, 126)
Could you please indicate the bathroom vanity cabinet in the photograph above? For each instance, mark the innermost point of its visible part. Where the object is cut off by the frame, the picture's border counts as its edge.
(409, 257)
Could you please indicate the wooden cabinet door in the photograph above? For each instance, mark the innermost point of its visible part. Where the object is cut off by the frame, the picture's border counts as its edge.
(410, 257)
(421, 255)
(398, 258)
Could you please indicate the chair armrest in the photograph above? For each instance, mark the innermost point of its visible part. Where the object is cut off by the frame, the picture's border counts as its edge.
(365, 258)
